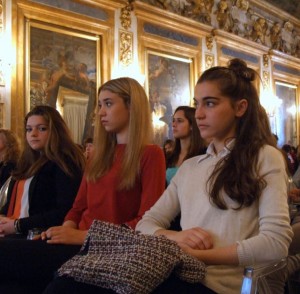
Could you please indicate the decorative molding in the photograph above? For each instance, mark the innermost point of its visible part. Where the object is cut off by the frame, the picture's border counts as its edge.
(125, 16)
(266, 60)
(289, 70)
(238, 54)
(209, 42)
(252, 20)
(266, 79)
(71, 6)
(209, 60)
(125, 47)
(169, 34)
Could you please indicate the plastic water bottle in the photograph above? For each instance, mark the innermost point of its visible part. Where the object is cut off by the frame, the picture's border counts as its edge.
(247, 281)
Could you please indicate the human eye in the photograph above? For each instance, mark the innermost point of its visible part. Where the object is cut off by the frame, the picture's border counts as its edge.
(42, 128)
(108, 103)
(195, 103)
(210, 103)
(28, 129)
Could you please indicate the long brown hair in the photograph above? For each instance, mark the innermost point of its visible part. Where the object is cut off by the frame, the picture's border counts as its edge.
(139, 135)
(197, 145)
(12, 152)
(59, 148)
(237, 172)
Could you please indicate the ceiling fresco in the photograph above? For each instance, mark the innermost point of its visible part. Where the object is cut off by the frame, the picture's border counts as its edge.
(290, 6)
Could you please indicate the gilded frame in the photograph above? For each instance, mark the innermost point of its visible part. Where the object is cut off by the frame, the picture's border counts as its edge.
(62, 72)
(27, 12)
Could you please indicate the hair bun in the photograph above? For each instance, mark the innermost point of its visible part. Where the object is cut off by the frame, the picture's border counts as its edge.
(240, 68)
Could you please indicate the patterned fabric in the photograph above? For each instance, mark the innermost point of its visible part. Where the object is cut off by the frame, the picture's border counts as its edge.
(125, 261)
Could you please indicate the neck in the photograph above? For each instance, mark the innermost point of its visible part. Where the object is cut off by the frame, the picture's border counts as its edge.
(185, 144)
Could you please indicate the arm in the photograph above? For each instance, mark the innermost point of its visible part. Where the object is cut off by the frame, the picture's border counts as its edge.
(273, 219)
(152, 180)
(80, 204)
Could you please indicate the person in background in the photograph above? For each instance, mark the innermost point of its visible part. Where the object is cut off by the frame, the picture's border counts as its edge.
(168, 147)
(42, 190)
(88, 147)
(9, 154)
(291, 158)
(188, 142)
(47, 177)
(242, 176)
(123, 179)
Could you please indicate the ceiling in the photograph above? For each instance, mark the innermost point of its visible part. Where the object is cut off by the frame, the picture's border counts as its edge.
(290, 6)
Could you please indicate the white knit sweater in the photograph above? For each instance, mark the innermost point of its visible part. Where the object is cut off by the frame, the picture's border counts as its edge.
(262, 231)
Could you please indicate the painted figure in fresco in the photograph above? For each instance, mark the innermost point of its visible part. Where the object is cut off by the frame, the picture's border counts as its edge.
(222, 14)
(287, 37)
(199, 10)
(259, 31)
(161, 84)
(240, 17)
(275, 36)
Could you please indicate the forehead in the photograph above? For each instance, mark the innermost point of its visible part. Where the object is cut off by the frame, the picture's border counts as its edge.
(106, 94)
(207, 88)
(36, 119)
(179, 113)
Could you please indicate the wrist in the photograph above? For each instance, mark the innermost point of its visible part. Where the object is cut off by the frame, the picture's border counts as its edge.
(17, 226)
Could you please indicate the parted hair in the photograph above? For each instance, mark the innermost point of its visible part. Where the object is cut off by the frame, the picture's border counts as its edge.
(197, 145)
(59, 148)
(12, 152)
(140, 133)
(237, 173)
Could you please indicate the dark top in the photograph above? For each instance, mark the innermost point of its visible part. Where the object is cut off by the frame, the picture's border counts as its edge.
(51, 195)
(5, 171)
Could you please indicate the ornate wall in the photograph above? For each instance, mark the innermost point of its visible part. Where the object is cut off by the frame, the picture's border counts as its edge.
(143, 38)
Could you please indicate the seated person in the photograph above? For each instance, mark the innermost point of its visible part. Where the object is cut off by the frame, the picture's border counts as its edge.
(9, 154)
(232, 200)
(124, 179)
(47, 177)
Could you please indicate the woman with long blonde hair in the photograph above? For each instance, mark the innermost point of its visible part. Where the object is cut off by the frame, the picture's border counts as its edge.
(124, 177)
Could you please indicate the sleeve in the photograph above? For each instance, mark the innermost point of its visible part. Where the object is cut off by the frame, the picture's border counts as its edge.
(275, 233)
(153, 179)
(163, 212)
(80, 203)
(63, 191)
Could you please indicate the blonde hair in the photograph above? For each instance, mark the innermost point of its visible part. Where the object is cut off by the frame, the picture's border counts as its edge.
(139, 134)
(12, 146)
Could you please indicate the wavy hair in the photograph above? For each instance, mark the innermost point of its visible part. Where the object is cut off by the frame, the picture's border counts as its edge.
(59, 148)
(197, 145)
(237, 173)
(12, 152)
(140, 133)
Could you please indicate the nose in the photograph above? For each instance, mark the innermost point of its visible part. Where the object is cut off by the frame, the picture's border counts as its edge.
(34, 132)
(101, 111)
(199, 113)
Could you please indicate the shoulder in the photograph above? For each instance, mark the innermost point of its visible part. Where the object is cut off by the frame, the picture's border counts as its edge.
(153, 150)
(271, 156)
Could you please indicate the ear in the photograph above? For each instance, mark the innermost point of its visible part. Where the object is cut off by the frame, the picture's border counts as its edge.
(241, 107)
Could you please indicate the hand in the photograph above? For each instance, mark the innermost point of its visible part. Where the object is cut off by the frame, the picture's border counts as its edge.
(6, 226)
(294, 194)
(195, 238)
(64, 235)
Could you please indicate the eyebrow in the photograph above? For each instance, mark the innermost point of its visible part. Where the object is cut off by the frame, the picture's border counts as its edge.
(207, 97)
(38, 125)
